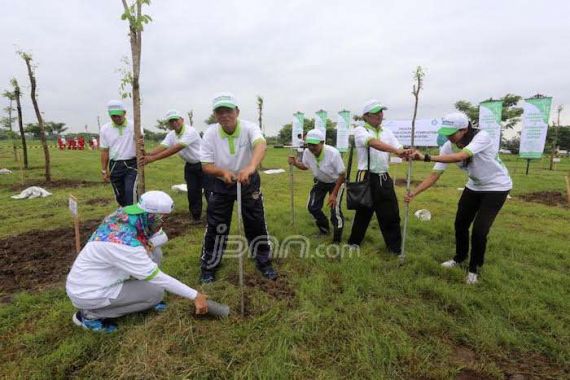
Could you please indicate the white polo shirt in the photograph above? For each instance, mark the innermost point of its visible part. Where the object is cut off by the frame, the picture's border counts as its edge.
(486, 171)
(189, 138)
(101, 268)
(379, 161)
(230, 152)
(120, 140)
(327, 167)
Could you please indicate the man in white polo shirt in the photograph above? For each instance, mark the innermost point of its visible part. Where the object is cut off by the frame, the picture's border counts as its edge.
(327, 166)
(231, 151)
(118, 154)
(184, 140)
(117, 272)
(373, 141)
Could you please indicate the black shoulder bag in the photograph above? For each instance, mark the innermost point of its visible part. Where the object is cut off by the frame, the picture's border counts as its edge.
(358, 194)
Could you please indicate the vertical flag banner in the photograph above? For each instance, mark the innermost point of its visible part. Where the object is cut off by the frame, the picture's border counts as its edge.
(535, 125)
(321, 121)
(342, 131)
(490, 114)
(297, 129)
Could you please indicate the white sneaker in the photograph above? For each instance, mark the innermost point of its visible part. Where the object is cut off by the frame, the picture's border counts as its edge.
(449, 263)
(471, 278)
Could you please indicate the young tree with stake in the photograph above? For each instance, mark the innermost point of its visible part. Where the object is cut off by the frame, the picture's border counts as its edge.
(17, 95)
(418, 78)
(137, 20)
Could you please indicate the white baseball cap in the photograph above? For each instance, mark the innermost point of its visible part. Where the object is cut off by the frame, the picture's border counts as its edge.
(116, 107)
(315, 136)
(452, 122)
(224, 99)
(173, 114)
(153, 202)
(373, 106)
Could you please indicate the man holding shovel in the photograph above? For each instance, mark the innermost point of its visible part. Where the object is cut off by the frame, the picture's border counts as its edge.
(231, 151)
(185, 141)
(327, 166)
(117, 272)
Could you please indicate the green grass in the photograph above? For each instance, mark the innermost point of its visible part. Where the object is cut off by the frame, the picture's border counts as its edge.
(364, 316)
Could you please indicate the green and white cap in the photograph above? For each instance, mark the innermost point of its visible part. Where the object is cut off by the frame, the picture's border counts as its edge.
(116, 107)
(224, 99)
(153, 202)
(453, 122)
(314, 136)
(373, 106)
(173, 115)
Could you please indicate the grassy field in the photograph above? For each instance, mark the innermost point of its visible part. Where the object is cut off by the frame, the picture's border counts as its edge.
(363, 316)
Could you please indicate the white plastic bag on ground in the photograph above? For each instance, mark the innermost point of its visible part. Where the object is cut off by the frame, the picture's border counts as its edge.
(5, 171)
(274, 171)
(423, 215)
(182, 188)
(31, 193)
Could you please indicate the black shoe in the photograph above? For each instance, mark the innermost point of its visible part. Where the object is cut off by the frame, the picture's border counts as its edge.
(207, 277)
(269, 273)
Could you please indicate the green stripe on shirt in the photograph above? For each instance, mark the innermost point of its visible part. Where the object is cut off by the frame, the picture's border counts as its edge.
(470, 153)
(153, 274)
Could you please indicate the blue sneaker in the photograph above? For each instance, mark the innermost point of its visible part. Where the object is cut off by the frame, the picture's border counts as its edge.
(207, 277)
(269, 273)
(97, 325)
(160, 307)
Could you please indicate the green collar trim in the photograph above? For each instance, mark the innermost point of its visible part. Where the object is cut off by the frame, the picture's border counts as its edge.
(231, 137)
(321, 155)
(182, 130)
(121, 127)
(375, 131)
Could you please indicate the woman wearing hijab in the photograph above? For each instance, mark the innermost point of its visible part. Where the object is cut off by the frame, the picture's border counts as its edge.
(117, 273)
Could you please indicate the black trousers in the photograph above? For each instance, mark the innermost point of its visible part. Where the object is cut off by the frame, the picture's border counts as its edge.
(479, 208)
(123, 175)
(219, 216)
(386, 209)
(315, 206)
(194, 176)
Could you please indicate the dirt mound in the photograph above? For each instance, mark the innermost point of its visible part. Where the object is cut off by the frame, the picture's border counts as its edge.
(54, 184)
(550, 198)
(279, 289)
(39, 258)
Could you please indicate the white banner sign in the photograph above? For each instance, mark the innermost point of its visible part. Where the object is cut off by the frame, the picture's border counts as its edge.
(342, 131)
(321, 122)
(490, 113)
(425, 135)
(535, 125)
(297, 129)
(73, 205)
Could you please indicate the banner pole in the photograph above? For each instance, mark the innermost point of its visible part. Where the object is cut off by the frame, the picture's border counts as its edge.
(527, 165)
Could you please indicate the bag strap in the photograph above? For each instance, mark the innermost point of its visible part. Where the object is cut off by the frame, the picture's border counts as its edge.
(349, 161)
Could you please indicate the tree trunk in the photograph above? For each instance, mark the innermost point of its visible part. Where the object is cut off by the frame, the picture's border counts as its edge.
(21, 124)
(135, 37)
(40, 120)
(11, 131)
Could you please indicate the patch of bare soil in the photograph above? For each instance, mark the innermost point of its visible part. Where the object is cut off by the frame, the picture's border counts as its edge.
(279, 289)
(55, 184)
(40, 258)
(549, 198)
(404, 182)
(99, 201)
(515, 366)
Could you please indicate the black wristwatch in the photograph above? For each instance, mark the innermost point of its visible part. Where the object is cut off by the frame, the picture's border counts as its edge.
(427, 158)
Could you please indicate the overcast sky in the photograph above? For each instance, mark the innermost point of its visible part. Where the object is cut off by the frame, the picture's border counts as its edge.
(298, 55)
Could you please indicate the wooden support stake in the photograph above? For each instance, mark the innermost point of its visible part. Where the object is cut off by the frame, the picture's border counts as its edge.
(73, 207)
(567, 178)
